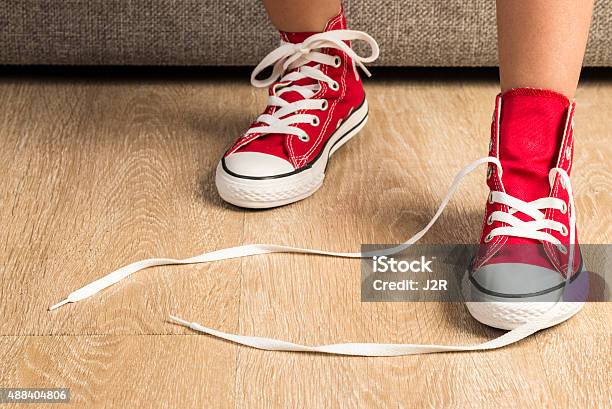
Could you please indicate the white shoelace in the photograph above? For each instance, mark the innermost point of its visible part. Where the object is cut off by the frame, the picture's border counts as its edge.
(293, 58)
(530, 229)
(360, 349)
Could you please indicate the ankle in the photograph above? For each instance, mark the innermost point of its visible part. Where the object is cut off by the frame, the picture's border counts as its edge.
(287, 17)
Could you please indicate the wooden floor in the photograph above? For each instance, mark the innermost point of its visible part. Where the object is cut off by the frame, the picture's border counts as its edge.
(97, 173)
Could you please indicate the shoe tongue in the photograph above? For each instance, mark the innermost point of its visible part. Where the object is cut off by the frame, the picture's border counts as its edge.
(338, 22)
(532, 125)
(291, 96)
(294, 38)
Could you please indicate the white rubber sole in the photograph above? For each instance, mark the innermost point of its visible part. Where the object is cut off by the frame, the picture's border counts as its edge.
(509, 314)
(274, 192)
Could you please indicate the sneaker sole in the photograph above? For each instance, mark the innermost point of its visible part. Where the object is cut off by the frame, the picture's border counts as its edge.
(263, 193)
(508, 314)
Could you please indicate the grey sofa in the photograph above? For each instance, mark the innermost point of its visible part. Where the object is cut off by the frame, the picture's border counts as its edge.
(224, 32)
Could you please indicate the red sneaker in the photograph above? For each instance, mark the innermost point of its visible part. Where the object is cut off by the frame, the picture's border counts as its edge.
(316, 104)
(521, 267)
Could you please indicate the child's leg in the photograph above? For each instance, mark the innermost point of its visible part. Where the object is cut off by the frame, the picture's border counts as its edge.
(542, 43)
(529, 230)
(301, 16)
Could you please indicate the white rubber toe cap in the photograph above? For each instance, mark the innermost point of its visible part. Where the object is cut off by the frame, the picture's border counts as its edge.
(516, 279)
(256, 164)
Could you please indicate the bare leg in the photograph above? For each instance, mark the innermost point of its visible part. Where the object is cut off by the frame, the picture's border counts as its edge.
(301, 15)
(542, 43)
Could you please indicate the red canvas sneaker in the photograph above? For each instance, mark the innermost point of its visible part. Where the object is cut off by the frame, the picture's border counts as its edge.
(316, 104)
(521, 267)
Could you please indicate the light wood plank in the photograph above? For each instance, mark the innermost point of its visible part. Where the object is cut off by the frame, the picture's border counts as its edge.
(100, 173)
(123, 174)
(123, 371)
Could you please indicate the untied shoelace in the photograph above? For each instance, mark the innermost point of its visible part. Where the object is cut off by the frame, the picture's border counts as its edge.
(366, 349)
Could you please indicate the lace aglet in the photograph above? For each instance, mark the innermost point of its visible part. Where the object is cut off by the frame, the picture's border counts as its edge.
(180, 321)
(363, 68)
(59, 304)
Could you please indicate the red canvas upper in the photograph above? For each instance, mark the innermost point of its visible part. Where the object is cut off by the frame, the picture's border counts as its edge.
(340, 104)
(532, 128)
(531, 133)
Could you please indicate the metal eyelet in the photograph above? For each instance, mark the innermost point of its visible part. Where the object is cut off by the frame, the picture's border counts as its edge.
(564, 231)
(489, 172)
(490, 145)
(568, 153)
(491, 198)
(490, 220)
(337, 62)
(325, 105)
(488, 238)
(562, 248)
(564, 208)
(304, 138)
(334, 86)
(315, 121)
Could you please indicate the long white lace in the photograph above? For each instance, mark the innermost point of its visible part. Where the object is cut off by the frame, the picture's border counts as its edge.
(358, 349)
(292, 59)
